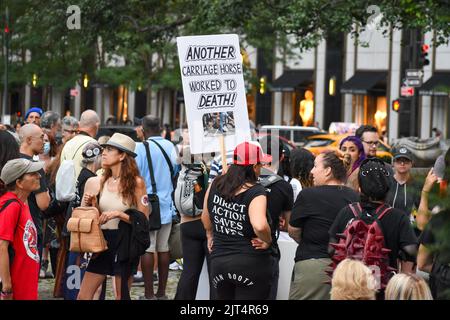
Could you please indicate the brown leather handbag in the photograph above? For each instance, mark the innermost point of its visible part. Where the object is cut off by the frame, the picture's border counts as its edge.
(85, 232)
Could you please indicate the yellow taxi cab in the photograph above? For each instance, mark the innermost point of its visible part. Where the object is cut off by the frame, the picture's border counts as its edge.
(324, 142)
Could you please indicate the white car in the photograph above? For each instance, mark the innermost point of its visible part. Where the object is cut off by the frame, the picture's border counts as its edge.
(295, 134)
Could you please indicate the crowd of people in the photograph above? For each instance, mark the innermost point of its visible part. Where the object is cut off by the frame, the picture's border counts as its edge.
(343, 208)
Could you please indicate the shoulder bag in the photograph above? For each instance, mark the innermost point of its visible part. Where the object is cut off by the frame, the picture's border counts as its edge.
(155, 215)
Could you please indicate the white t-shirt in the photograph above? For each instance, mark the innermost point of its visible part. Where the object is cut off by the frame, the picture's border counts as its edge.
(296, 186)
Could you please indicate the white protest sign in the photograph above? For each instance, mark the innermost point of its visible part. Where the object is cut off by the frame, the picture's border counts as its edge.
(214, 91)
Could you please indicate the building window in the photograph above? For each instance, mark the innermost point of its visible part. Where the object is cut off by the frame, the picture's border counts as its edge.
(368, 109)
(441, 116)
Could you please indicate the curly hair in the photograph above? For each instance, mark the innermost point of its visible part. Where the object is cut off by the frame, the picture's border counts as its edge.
(302, 162)
(128, 174)
(352, 280)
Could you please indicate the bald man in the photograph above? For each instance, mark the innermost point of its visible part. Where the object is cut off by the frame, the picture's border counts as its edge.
(31, 144)
(88, 128)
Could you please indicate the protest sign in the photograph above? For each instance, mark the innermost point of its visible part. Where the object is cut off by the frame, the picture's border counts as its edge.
(214, 91)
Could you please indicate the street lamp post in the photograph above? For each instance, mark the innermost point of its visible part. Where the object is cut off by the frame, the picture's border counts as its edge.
(5, 55)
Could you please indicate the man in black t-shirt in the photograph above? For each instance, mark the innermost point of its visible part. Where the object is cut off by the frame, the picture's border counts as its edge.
(399, 237)
(436, 263)
(280, 198)
(32, 143)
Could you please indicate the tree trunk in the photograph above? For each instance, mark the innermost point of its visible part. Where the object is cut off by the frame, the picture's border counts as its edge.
(149, 97)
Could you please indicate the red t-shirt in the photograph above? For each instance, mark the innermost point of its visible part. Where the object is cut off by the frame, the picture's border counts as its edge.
(17, 227)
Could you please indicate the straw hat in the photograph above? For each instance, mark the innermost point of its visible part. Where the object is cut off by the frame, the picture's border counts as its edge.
(123, 143)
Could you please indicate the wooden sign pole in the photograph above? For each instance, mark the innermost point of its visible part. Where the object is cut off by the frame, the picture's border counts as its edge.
(223, 153)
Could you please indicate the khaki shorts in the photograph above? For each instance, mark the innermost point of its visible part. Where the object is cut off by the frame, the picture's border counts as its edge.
(310, 280)
(159, 239)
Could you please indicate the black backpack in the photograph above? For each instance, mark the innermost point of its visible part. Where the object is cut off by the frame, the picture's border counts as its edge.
(267, 181)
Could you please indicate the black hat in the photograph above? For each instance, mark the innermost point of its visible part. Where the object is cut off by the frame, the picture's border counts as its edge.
(403, 152)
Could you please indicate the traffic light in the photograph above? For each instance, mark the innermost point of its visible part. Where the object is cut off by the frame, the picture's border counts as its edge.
(262, 85)
(424, 55)
(396, 105)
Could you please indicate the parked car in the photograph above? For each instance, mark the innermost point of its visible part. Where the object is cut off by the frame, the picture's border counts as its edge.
(319, 143)
(295, 134)
(109, 130)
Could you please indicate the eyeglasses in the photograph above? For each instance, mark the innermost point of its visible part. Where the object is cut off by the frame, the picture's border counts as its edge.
(372, 143)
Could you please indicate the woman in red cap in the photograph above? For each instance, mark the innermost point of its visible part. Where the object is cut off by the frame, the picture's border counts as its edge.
(238, 233)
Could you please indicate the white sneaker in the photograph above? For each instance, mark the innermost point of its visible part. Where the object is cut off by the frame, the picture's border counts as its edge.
(174, 266)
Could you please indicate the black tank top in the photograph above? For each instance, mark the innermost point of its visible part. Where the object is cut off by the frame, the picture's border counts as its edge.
(232, 229)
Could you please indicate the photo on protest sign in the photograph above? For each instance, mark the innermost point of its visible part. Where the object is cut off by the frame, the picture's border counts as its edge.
(218, 123)
(214, 91)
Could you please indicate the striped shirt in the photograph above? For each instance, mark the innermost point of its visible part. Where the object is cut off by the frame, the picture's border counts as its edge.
(216, 165)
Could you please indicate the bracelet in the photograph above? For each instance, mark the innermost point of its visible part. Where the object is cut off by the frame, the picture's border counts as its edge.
(5, 293)
(425, 191)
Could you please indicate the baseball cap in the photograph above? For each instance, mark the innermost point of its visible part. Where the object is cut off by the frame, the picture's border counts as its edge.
(247, 153)
(16, 168)
(403, 152)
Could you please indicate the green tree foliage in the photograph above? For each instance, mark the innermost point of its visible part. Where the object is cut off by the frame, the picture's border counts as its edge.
(143, 32)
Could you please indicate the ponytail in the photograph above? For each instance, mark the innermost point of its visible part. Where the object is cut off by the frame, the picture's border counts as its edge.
(338, 169)
(2, 188)
(5, 188)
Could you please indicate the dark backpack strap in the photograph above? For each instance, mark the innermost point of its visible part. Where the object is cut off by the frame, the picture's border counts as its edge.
(75, 154)
(6, 204)
(169, 163)
(150, 166)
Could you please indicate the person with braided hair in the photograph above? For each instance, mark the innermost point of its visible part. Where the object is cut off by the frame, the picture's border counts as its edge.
(399, 237)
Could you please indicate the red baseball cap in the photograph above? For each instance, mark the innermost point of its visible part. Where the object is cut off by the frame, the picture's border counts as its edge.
(248, 153)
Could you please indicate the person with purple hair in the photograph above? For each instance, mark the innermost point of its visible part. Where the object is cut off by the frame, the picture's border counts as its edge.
(353, 153)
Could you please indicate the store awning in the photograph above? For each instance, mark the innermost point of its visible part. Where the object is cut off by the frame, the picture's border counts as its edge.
(366, 82)
(437, 85)
(290, 80)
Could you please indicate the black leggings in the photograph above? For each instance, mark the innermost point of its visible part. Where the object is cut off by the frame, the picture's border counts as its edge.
(242, 276)
(193, 240)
